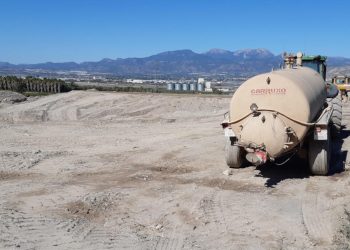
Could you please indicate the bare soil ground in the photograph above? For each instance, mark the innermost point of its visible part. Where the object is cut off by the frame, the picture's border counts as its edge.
(92, 170)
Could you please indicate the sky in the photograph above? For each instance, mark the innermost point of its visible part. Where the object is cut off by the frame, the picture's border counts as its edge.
(34, 31)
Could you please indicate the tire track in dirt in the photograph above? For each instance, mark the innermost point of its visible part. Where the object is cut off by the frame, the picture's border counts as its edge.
(171, 241)
(89, 234)
(95, 221)
(220, 214)
(212, 212)
(20, 229)
(317, 225)
(102, 238)
(17, 160)
(174, 234)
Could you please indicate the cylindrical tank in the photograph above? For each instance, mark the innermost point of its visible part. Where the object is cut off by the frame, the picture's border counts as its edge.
(193, 87)
(285, 101)
(177, 86)
(207, 85)
(200, 87)
(170, 86)
(185, 87)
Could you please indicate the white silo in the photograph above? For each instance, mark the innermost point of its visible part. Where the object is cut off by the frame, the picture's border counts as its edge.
(170, 86)
(185, 87)
(177, 86)
(200, 87)
(193, 86)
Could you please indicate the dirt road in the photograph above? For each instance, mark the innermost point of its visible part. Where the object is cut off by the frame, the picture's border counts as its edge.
(92, 170)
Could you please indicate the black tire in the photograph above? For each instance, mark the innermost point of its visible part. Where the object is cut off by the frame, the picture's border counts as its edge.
(336, 118)
(319, 157)
(233, 155)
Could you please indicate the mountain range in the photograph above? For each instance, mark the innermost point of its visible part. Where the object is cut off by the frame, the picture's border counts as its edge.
(180, 62)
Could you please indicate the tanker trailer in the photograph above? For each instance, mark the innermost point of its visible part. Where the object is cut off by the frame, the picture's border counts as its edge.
(275, 115)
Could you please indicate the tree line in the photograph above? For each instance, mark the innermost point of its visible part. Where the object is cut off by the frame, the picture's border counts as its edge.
(32, 84)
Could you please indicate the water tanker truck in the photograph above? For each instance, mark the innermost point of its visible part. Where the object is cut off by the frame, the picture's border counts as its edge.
(275, 115)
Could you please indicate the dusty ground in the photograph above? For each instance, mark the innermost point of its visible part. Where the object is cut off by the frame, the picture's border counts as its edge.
(92, 170)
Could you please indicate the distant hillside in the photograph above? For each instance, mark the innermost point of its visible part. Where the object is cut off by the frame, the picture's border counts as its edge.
(338, 66)
(182, 62)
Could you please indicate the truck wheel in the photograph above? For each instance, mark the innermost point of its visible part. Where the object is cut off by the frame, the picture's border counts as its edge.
(336, 116)
(319, 156)
(233, 155)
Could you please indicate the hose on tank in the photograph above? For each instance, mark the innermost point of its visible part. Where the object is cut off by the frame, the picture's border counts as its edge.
(290, 118)
(287, 160)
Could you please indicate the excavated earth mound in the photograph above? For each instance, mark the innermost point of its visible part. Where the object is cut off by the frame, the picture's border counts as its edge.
(11, 97)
